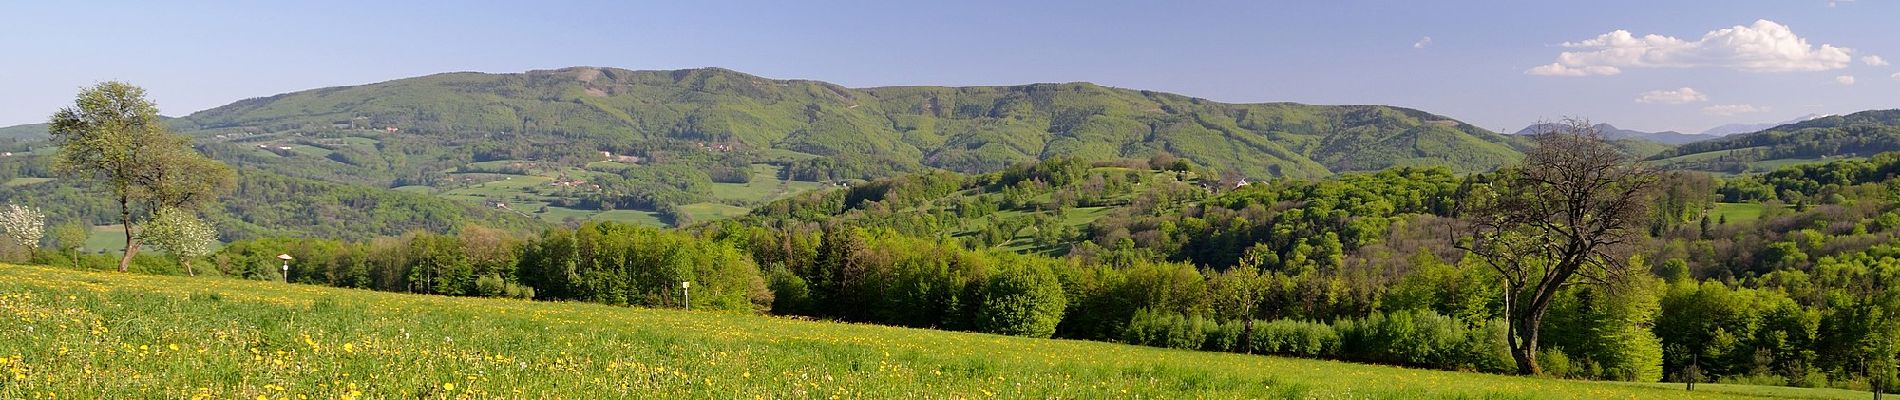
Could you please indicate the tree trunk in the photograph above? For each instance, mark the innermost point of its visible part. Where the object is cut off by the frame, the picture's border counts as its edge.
(1246, 337)
(1530, 322)
(1525, 349)
(131, 243)
(187, 263)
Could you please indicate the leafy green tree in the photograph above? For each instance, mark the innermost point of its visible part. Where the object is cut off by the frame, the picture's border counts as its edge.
(181, 234)
(71, 237)
(113, 135)
(1022, 300)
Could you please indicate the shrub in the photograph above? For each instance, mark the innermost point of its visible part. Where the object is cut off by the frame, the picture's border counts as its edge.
(1025, 300)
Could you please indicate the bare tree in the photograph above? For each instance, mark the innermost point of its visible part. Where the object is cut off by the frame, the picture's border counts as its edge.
(1567, 216)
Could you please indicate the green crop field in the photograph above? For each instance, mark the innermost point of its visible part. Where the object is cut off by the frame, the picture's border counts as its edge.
(82, 334)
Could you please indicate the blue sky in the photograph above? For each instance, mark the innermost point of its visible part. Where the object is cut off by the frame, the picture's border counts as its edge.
(1488, 63)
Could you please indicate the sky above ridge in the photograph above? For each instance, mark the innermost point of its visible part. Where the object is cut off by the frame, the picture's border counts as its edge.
(1499, 64)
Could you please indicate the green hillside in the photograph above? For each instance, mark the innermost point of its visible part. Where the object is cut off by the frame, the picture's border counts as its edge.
(860, 133)
(679, 147)
(1859, 134)
(28, 131)
(118, 335)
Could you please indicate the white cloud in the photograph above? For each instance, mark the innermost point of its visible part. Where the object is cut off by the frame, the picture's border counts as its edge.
(1421, 43)
(1765, 46)
(1896, 75)
(1676, 96)
(1845, 80)
(1874, 61)
(1733, 109)
(1558, 69)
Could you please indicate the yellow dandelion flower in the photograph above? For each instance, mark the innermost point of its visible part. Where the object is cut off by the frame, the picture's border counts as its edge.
(448, 386)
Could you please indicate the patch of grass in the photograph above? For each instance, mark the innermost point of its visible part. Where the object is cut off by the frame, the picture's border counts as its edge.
(23, 181)
(765, 186)
(1737, 212)
(701, 212)
(636, 217)
(107, 335)
(106, 237)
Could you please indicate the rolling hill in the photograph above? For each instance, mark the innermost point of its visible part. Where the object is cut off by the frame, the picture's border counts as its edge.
(872, 131)
(675, 147)
(1859, 134)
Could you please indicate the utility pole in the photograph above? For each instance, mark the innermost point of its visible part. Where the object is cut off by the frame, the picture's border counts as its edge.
(685, 291)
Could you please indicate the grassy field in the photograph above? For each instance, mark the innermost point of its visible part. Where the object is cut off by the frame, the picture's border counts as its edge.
(74, 334)
(712, 211)
(106, 237)
(520, 193)
(1737, 212)
(23, 181)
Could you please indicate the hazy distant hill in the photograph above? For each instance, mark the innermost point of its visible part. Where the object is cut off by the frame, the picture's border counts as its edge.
(1613, 132)
(1731, 129)
(38, 131)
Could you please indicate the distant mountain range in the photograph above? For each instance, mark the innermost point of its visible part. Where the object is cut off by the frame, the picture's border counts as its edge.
(1731, 129)
(1613, 132)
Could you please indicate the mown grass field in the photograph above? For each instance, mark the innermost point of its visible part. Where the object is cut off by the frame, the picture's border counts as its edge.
(74, 334)
(1738, 212)
(528, 193)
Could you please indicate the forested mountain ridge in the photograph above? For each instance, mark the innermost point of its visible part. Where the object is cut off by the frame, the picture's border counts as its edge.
(826, 131)
(1859, 134)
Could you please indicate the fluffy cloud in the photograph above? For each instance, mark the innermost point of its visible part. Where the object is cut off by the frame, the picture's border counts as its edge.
(1874, 61)
(1558, 69)
(1896, 75)
(1733, 109)
(1765, 46)
(1421, 43)
(1676, 96)
(1845, 80)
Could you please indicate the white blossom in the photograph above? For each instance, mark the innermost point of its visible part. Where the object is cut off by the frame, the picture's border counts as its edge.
(24, 225)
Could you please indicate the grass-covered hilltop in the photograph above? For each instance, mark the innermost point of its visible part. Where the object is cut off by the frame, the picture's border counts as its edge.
(592, 232)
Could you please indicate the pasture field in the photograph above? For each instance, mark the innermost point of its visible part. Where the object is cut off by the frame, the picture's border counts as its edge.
(1737, 212)
(77, 334)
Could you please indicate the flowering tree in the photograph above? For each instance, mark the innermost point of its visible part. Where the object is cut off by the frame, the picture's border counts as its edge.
(181, 234)
(24, 225)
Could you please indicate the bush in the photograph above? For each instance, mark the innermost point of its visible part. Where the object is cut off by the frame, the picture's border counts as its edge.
(791, 295)
(1554, 363)
(1023, 300)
